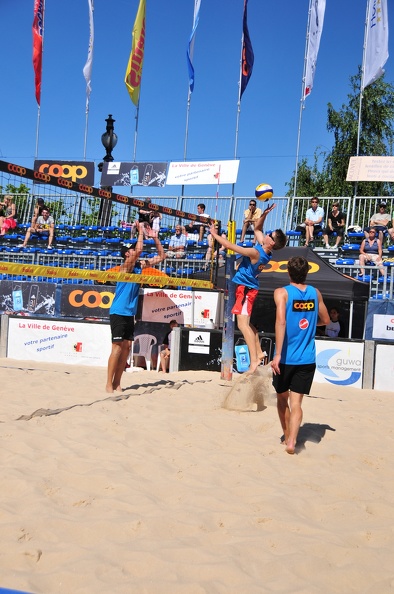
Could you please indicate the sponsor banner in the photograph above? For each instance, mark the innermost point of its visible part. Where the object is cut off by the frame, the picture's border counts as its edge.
(188, 308)
(384, 367)
(85, 302)
(202, 172)
(27, 298)
(383, 327)
(199, 342)
(339, 363)
(129, 173)
(371, 169)
(76, 171)
(57, 341)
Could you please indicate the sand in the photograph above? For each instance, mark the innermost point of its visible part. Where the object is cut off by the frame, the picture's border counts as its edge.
(161, 490)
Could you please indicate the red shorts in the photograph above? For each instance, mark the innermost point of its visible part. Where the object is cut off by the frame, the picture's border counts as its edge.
(9, 224)
(244, 299)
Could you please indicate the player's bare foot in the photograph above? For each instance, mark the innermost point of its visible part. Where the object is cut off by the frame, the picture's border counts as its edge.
(109, 389)
(290, 447)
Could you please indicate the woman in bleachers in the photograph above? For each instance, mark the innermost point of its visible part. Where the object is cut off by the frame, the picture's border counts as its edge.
(8, 221)
(371, 251)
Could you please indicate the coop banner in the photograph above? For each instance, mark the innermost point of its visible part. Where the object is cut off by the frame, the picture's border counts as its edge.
(127, 173)
(27, 298)
(189, 308)
(202, 172)
(75, 171)
(56, 341)
(86, 302)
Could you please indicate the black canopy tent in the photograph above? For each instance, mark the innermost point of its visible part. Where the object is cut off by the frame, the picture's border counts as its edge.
(337, 289)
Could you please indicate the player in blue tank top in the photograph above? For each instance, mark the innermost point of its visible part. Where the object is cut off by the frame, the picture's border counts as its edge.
(124, 307)
(246, 278)
(299, 309)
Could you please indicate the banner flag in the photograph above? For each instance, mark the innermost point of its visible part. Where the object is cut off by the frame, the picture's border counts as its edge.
(190, 49)
(316, 21)
(136, 60)
(38, 30)
(87, 69)
(376, 42)
(247, 52)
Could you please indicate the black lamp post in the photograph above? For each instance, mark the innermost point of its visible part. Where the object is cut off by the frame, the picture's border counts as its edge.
(109, 141)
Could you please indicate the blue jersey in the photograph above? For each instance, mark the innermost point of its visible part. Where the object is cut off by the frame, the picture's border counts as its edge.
(302, 310)
(247, 272)
(125, 301)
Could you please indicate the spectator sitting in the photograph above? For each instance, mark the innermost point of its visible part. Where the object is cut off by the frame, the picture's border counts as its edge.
(371, 251)
(197, 226)
(335, 224)
(38, 208)
(165, 353)
(144, 218)
(178, 243)
(312, 224)
(155, 220)
(380, 221)
(8, 220)
(211, 244)
(335, 328)
(251, 215)
(44, 225)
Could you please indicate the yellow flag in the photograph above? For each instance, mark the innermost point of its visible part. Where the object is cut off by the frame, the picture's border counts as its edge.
(134, 66)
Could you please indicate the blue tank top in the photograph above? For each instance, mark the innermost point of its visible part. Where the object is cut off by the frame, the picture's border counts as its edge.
(302, 311)
(125, 302)
(371, 249)
(247, 272)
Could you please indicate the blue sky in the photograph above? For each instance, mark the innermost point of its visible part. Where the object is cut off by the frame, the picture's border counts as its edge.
(270, 105)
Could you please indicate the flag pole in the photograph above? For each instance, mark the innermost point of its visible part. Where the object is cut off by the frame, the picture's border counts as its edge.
(360, 108)
(38, 66)
(87, 72)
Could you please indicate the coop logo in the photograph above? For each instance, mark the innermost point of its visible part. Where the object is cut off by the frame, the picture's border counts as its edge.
(16, 169)
(299, 305)
(104, 194)
(65, 183)
(42, 176)
(120, 198)
(85, 189)
(327, 363)
(167, 210)
(73, 170)
(282, 267)
(91, 299)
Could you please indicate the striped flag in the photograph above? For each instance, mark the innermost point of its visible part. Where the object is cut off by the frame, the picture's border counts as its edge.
(190, 49)
(376, 42)
(38, 30)
(87, 69)
(136, 60)
(316, 19)
(247, 59)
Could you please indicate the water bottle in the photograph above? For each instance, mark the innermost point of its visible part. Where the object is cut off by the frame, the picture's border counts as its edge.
(243, 358)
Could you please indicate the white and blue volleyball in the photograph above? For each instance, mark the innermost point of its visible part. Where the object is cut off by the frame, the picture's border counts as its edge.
(264, 192)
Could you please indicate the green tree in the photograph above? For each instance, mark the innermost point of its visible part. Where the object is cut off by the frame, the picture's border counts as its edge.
(376, 138)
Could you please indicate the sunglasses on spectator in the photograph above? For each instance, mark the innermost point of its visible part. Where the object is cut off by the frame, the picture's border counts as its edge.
(252, 204)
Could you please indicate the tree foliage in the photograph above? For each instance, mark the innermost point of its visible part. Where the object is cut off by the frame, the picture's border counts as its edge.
(376, 139)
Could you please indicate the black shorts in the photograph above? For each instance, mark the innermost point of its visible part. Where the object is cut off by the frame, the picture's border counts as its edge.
(297, 378)
(338, 231)
(122, 327)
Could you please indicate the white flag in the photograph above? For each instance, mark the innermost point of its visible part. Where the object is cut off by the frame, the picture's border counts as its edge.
(376, 42)
(316, 20)
(87, 69)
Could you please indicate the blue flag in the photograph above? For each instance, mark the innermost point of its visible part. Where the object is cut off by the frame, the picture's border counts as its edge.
(191, 44)
(247, 53)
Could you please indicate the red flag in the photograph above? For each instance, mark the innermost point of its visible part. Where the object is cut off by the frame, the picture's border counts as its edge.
(38, 28)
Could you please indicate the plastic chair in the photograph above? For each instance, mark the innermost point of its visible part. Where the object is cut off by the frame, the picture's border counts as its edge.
(160, 348)
(145, 343)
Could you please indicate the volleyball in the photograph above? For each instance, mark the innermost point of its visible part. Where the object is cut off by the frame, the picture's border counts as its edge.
(264, 192)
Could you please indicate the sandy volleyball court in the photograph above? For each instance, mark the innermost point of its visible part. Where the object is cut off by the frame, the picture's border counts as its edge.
(160, 490)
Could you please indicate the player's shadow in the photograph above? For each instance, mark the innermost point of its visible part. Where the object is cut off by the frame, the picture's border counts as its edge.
(313, 432)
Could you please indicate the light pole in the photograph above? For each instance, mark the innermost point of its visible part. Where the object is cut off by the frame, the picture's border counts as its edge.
(109, 141)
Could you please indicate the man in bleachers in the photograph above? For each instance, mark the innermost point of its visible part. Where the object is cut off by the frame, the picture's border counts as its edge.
(313, 221)
(251, 216)
(197, 226)
(178, 243)
(43, 225)
(379, 221)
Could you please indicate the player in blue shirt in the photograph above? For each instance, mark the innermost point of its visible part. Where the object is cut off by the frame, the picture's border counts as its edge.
(246, 278)
(124, 306)
(299, 309)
